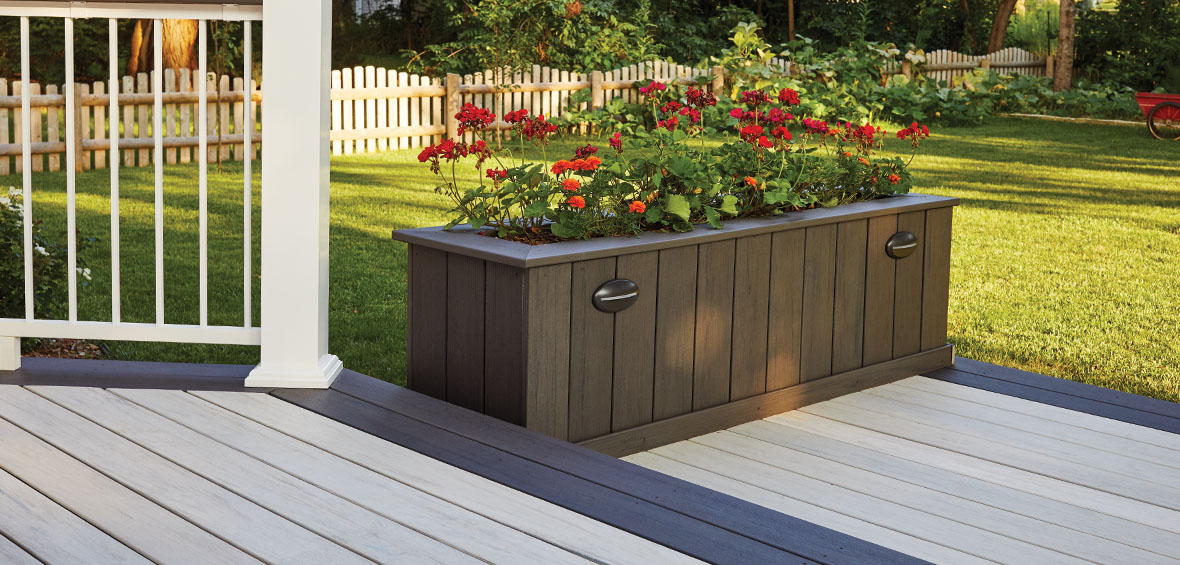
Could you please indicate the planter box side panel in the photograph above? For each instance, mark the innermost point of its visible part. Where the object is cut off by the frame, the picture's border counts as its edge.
(465, 343)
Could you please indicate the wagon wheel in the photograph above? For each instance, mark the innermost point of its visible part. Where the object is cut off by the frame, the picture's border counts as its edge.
(1164, 121)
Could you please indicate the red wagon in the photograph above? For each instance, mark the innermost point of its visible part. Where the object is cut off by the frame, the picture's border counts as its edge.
(1162, 112)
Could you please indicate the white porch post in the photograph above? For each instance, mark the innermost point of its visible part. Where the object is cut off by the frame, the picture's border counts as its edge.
(9, 353)
(296, 53)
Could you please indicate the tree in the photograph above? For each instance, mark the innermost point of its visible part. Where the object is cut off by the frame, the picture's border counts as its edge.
(995, 42)
(1063, 67)
(179, 48)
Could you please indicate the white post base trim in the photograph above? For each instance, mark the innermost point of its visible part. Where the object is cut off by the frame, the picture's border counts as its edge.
(291, 377)
(9, 353)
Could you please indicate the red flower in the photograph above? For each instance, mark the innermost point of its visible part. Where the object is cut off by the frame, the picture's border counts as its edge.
(788, 97)
(616, 141)
(637, 207)
(571, 185)
(894, 179)
(591, 163)
(777, 115)
(670, 106)
(751, 132)
(668, 124)
(583, 152)
(736, 113)
(815, 126)
(692, 114)
(497, 174)
(781, 132)
(472, 117)
(751, 181)
(561, 167)
(536, 129)
(765, 142)
(577, 202)
(754, 98)
(652, 88)
(517, 116)
(700, 98)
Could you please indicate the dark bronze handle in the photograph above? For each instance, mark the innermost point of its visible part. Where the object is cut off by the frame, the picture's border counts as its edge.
(902, 244)
(615, 296)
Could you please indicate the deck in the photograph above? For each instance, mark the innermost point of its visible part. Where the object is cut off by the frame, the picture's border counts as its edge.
(970, 465)
(110, 462)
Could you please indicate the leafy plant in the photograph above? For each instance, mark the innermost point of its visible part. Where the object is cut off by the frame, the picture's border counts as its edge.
(661, 175)
(50, 265)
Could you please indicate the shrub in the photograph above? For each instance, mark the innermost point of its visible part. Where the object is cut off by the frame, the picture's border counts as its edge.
(664, 176)
(49, 265)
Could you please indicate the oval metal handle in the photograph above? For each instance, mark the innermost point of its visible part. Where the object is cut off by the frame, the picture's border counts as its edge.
(902, 244)
(615, 295)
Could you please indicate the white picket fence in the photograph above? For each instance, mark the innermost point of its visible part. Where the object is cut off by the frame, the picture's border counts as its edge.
(226, 115)
(373, 109)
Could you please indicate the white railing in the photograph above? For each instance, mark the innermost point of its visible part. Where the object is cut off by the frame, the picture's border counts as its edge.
(294, 257)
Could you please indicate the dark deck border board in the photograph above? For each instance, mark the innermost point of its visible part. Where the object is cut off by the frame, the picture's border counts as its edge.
(129, 374)
(1072, 388)
(715, 517)
(1059, 399)
(467, 241)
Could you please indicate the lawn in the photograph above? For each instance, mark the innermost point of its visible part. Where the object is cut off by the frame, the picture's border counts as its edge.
(1066, 251)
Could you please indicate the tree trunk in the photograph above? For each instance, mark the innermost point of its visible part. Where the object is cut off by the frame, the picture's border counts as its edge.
(1063, 70)
(1000, 25)
(791, 20)
(180, 44)
(137, 59)
(969, 25)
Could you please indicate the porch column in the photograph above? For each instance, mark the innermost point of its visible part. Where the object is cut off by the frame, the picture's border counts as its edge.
(9, 353)
(296, 55)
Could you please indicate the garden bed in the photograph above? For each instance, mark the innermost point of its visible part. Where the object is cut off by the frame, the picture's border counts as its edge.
(730, 325)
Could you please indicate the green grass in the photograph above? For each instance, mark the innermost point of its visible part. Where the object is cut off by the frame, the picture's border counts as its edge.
(1066, 251)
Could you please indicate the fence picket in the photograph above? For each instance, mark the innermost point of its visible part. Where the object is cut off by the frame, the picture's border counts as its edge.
(223, 148)
(185, 154)
(371, 108)
(37, 121)
(403, 111)
(82, 121)
(239, 119)
(142, 84)
(170, 125)
(4, 166)
(100, 127)
(52, 129)
(382, 105)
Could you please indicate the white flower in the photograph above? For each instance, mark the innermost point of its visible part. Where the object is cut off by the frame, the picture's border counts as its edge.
(40, 250)
(6, 201)
(85, 273)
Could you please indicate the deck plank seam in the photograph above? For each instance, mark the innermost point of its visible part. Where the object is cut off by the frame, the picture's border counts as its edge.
(189, 471)
(386, 477)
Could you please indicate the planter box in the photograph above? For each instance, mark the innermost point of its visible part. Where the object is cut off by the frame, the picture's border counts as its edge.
(730, 325)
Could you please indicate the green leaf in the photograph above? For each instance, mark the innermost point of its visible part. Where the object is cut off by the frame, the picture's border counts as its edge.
(678, 206)
(729, 205)
(653, 214)
(713, 217)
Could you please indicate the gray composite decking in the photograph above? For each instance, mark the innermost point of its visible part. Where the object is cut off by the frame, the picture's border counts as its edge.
(973, 464)
(114, 462)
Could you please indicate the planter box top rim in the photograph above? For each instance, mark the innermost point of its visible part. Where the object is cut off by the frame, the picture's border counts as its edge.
(467, 241)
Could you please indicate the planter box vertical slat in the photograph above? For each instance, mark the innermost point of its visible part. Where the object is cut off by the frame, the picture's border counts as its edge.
(764, 314)
(880, 274)
(784, 336)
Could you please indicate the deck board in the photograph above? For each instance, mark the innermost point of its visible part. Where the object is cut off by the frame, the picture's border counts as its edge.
(12, 554)
(414, 509)
(125, 515)
(246, 525)
(967, 470)
(1042, 457)
(1000, 496)
(346, 524)
(559, 526)
(52, 533)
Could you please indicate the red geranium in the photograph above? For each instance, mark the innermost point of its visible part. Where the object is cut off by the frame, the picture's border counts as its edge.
(754, 98)
(616, 141)
(473, 118)
(668, 124)
(637, 207)
(517, 116)
(782, 133)
(583, 152)
(497, 174)
(653, 87)
(571, 184)
(700, 98)
(577, 202)
(788, 97)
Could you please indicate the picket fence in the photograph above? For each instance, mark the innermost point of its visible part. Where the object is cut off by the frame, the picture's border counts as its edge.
(94, 125)
(373, 109)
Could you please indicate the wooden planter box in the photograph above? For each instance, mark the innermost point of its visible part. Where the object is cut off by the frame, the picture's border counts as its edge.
(762, 316)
